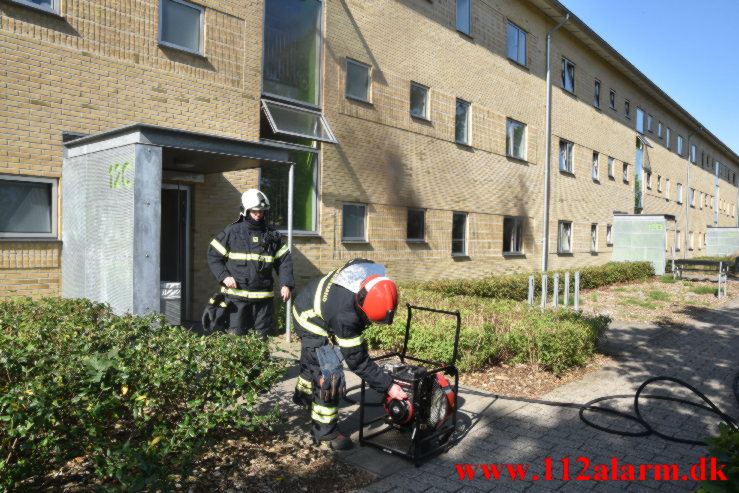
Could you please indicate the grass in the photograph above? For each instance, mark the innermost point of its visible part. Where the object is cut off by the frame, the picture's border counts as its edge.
(620, 289)
(658, 295)
(703, 290)
(667, 279)
(594, 297)
(638, 302)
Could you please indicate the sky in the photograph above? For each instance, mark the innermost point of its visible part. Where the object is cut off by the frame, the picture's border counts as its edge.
(689, 49)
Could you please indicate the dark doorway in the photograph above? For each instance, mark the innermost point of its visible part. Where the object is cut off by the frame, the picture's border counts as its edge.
(175, 241)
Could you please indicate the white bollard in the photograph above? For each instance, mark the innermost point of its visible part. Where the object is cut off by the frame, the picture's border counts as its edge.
(567, 288)
(555, 291)
(577, 290)
(531, 290)
(543, 291)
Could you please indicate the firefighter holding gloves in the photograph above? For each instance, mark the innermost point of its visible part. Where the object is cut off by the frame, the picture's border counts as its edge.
(242, 257)
(330, 315)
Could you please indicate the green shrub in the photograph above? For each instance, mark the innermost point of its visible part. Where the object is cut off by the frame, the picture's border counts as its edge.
(139, 398)
(516, 287)
(725, 448)
(492, 332)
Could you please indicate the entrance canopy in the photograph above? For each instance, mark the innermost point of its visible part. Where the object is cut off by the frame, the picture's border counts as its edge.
(111, 205)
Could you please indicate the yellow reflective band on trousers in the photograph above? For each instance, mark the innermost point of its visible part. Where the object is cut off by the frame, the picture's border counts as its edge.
(221, 249)
(356, 341)
(248, 294)
(250, 256)
(305, 386)
(302, 319)
(324, 414)
(282, 251)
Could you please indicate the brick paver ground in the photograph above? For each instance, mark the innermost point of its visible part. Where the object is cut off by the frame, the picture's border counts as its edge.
(498, 430)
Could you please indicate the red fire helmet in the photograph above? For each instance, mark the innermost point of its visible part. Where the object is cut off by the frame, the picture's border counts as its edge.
(378, 299)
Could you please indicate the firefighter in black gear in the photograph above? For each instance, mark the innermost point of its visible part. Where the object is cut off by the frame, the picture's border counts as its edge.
(242, 257)
(337, 308)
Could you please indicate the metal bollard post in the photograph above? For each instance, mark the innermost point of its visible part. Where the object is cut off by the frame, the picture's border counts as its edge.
(531, 290)
(567, 288)
(673, 262)
(720, 276)
(543, 291)
(555, 291)
(577, 290)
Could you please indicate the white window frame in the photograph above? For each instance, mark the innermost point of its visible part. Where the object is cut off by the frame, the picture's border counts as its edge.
(693, 153)
(667, 189)
(625, 172)
(566, 80)
(566, 165)
(53, 9)
(596, 93)
(516, 234)
(612, 99)
(594, 238)
(463, 253)
(560, 226)
(627, 109)
(519, 34)
(691, 241)
(659, 129)
(609, 234)
(352, 239)
(200, 49)
(468, 134)
(422, 239)
(510, 145)
(677, 240)
(611, 166)
(679, 193)
(701, 200)
(425, 115)
(649, 180)
(679, 145)
(691, 196)
(650, 120)
(368, 92)
(53, 201)
(659, 183)
(639, 120)
(668, 137)
(595, 170)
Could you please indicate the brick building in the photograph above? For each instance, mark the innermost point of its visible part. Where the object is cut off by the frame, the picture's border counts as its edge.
(417, 129)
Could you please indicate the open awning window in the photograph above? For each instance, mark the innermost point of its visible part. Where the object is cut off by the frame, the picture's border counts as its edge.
(299, 122)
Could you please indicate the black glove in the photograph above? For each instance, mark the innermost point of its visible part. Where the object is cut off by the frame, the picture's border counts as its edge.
(333, 382)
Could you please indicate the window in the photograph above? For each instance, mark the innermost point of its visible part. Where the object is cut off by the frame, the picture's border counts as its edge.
(512, 235)
(659, 130)
(609, 234)
(596, 95)
(416, 230)
(679, 193)
(667, 189)
(515, 139)
(595, 166)
(463, 16)
(45, 5)
(611, 164)
(419, 101)
(691, 243)
(274, 182)
(677, 240)
(639, 120)
(516, 44)
(297, 122)
(292, 50)
(667, 137)
(649, 180)
(627, 108)
(462, 123)
(693, 153)
(565, 155)
(564, 238)
(659, 183)
(649, 123)
(29, 207)
(593, 237)
(181, 25)
(626, 173)
(459, 233)
(568, 75)
(357, 80)
(691, 197)
(700, 241)
(612, 99)
(680, 145)
(353, 222)
(701, 200)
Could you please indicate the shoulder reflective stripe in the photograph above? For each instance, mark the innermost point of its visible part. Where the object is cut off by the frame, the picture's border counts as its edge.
(220, 248)
(248, 294)
(324, 410)
(282, 251)
(307, 325)
(357, 341)
(250, 256)
(322, 419)
(322, 291)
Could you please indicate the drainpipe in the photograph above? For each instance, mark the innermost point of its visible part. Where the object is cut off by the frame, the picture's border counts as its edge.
(290, 191)
(548, 147)
(687, 203)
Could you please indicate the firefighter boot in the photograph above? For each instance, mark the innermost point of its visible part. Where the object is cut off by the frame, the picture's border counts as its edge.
(339, 443)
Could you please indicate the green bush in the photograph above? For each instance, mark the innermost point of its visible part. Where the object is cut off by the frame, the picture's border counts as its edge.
(139, 398)
(516, 287)
(493, 331)
(725, 448)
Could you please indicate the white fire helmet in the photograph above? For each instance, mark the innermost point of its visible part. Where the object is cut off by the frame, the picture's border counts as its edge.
(254, 200)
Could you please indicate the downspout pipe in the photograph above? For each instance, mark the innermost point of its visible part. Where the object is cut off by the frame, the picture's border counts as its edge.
(687, 202)
(548, 147)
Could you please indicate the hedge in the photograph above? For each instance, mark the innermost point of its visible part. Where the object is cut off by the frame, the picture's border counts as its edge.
(140, 399)
(515, 287)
